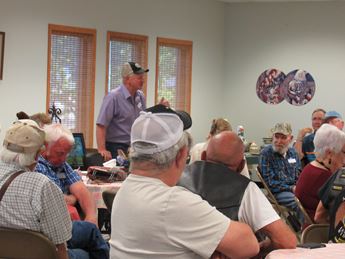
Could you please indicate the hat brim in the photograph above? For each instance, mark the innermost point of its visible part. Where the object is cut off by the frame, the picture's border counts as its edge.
(184, 116)
(141, 71)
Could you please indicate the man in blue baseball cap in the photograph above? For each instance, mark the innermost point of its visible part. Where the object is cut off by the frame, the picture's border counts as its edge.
(334, 118)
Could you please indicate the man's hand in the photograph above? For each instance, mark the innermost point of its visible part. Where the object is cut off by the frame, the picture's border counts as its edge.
(92, 219)
(105, 154)
(70, 199)
(303, 132)
(165, 102)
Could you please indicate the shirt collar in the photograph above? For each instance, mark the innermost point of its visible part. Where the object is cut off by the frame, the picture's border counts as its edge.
(47, 163)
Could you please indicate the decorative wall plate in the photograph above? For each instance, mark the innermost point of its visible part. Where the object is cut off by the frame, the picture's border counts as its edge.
(299, 87)
(269, 86)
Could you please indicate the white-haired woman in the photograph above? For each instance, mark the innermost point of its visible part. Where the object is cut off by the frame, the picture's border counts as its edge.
(329, 144)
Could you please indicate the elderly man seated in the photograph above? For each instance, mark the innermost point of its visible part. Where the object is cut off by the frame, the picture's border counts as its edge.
(52, 163)
(280, 167)
(33, 202)
(153, 218)
(217, 179)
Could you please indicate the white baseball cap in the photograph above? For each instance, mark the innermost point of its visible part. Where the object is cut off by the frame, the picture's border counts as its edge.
(161, 130)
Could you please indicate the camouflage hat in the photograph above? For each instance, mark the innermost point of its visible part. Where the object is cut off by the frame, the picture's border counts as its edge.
(282, 128)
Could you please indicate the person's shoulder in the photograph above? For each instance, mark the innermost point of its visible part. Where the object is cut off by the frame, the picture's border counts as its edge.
(309, 138)
(37, 178)
(42, 164)
(267, 150)
(292, 151)
(181, 192)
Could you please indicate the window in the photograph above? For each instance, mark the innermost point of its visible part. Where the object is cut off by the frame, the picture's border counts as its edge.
(174, 72)
(122, 48)
(71, 76)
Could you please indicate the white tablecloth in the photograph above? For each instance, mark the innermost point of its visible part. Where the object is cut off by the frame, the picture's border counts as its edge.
(331, 251)
(97, 189)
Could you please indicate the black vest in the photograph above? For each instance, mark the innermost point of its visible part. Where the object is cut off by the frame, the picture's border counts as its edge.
(217, 184)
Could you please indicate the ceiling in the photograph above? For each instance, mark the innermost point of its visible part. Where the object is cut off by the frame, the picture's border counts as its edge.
(277, 1)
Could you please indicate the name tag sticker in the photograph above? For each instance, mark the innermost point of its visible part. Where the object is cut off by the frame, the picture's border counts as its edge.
(292, 160)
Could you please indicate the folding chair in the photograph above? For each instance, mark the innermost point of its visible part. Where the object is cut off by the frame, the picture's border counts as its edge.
(315, 233)
(285, 213)
(25, 244)
(105, 217)
(307, 219)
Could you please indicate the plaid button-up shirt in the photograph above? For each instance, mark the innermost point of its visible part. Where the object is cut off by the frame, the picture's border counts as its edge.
(279, 172)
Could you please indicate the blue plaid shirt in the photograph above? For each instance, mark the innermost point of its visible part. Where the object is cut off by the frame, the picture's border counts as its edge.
(63, 176)
(279, 172)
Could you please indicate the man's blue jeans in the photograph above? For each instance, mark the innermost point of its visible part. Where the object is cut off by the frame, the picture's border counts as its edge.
(287, 199)
(87, 242)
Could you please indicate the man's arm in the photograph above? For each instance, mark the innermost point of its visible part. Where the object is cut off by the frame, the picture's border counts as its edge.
(299, 141)
(280, 235)
(70, 199)
(85, 200)
(239, 241)
(100, 136)
(61, 251)
(321, 214)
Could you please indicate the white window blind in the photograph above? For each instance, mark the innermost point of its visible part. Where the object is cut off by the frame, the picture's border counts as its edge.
(174, 72)
(71, 74)
(122, 48)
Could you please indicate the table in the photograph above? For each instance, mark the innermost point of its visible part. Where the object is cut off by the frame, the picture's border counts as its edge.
(97, 189)
(251, 159)
(331, 251)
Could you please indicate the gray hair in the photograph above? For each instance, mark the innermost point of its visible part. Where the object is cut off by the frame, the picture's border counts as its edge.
(328, 138)
(56, 131)
(163, 159)
(20, 159)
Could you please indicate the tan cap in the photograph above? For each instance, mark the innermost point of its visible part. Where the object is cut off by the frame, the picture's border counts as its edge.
(282, 128)
(24, 136)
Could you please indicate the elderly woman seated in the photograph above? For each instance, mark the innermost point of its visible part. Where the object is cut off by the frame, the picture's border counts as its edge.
(329, 144)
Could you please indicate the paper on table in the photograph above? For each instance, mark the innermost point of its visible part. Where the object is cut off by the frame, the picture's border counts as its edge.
(111, 163)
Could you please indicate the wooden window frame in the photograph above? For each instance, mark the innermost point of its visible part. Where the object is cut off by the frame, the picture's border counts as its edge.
(126, 36)
(77, 30)
(175, 43)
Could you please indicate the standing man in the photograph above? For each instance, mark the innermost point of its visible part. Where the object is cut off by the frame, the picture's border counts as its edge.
(305, 143)
(280, 167)
(119, 110)
(153, 218)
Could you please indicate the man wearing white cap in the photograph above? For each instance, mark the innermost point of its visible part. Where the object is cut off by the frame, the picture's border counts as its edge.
(33, 202)
(154, 218)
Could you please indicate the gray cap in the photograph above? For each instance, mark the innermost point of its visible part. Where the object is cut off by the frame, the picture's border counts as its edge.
(282, 128)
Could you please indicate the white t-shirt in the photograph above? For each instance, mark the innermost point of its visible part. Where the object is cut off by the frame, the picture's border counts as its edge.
(255, 209)
(152, 220)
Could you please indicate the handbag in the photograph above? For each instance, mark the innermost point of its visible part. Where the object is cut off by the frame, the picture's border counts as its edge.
(106, 174)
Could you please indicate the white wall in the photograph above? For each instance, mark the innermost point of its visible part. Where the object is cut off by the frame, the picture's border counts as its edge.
(26, 27)
(286, 36)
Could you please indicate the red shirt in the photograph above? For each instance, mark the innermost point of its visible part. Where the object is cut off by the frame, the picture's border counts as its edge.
(309, 182)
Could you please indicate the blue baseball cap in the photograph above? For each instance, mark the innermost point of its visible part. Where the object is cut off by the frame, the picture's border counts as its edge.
(332, 114)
